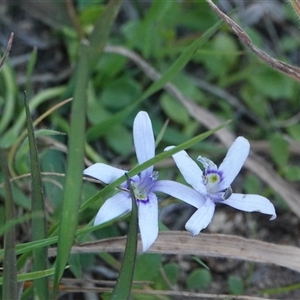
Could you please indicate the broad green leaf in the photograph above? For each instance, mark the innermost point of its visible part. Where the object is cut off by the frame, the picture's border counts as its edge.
(174, 110)
(172, 272)
(147, 266)
(254, 100)
(235, 285)
(279, 150)
(120, 93)
(117, 134)
(199, 279)
(270, 83)
(292, 173)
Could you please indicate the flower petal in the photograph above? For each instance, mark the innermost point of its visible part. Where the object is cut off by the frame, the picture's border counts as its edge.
(143, 139)
(189, 170)
(105, 173)
(251, 203)
(179, 191)
(201, 218)
(113, 207)
(233, 162)
(148, 220)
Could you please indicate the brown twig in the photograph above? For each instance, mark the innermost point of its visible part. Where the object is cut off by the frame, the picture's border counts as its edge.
(7, 50)
(278, 65)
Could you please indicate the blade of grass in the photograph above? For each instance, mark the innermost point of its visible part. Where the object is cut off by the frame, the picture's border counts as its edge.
(29, 71)
(73, 181)
(101, 31)
(8, 112)
(18, 141)
(136, 170)
(39, 231)
(11, 135)
(10, 287)
(123, 286)
(31, 276)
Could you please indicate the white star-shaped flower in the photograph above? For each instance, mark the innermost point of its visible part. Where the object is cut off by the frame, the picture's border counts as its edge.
(144, 185)
(213, 185)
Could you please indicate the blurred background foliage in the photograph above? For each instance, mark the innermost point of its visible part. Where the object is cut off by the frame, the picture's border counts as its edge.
(222, 77)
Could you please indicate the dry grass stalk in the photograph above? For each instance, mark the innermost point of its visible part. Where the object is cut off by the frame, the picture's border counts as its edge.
(213, 245)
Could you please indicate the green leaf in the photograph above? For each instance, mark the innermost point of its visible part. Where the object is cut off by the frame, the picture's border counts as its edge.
(117, 134)
(101, 128)
(8, 111)
(123, 286)
(13, 133)
(254, 100)
(200, 262)
(235, 285)
(39, 256)
(31, 276)
(269, 83)
(10, 287)
(73, 181)
(101, 31)
(30, 69)
(292, 173)
(120, 93)
(199, 279)
(172, 272)
(279, 150)
(147, 266)
(174, 110)
(181, 61)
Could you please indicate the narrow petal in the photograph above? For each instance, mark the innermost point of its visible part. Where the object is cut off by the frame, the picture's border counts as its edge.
(179, 191)
(144, 142)
(104, 173)
(113, 207)
(251, 203)
(201, 218)
(233, 162)
(148, 221)
(189, 170)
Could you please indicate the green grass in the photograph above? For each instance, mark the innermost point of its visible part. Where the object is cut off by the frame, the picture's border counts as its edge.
(183, 65)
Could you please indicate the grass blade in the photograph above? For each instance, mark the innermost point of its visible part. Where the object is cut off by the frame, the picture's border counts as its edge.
(73, 181)
(101, 31)
(123, 286)
(39, 231)
(10, 287)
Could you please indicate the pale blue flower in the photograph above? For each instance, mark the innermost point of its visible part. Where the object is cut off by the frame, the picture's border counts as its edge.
(214, 185)
(144, 185)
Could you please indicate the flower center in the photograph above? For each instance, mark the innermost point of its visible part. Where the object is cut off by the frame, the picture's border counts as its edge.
(143, 187)
(211, 181)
